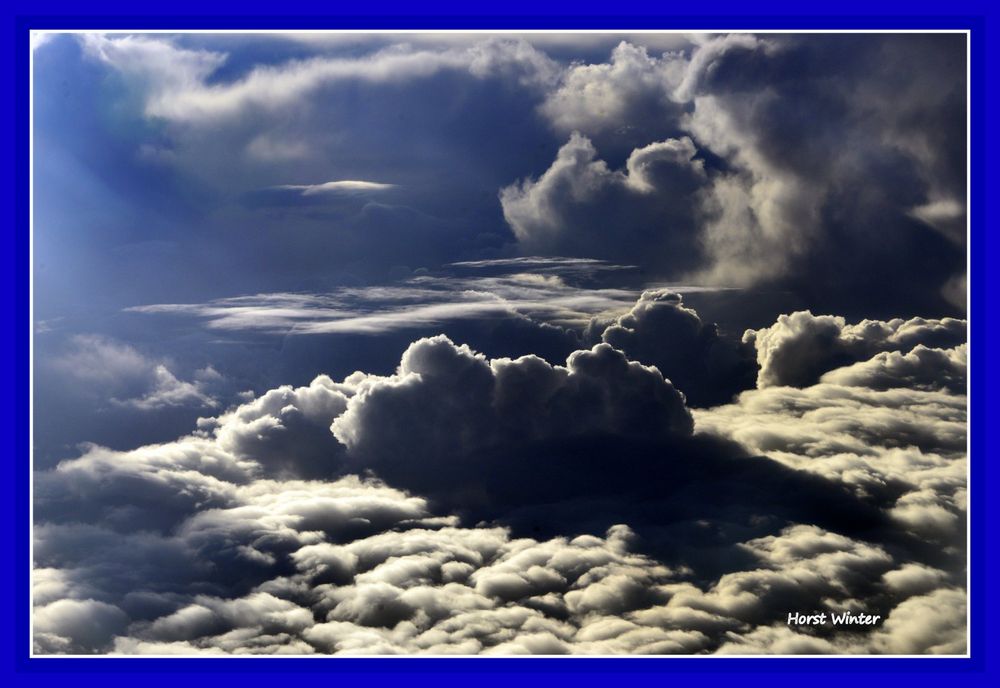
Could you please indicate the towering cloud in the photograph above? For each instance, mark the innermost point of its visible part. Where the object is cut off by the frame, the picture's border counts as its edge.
(660, 331)
(644, 214)
(783, 137)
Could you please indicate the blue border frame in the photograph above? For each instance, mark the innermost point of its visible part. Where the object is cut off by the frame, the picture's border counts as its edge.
(977, 17)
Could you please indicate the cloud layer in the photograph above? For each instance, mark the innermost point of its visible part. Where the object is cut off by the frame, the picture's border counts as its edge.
(465, 505)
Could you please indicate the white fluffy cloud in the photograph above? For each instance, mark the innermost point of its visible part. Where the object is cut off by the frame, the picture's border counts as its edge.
(921, 368)
(620, 93)
(420, 587)
(904, 445)
(799, 348)
(266, 531)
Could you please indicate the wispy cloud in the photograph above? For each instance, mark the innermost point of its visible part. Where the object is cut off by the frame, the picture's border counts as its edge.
(542, 262)
(177, 87)
(423, 300)
(132, 380)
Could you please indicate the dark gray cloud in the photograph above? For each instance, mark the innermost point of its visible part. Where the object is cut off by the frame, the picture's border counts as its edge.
(597, 391)
(846, 139)
(645, 214)
(660, 331)
(798, 152)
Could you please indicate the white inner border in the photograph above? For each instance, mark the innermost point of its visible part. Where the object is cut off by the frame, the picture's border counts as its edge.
(35, 34)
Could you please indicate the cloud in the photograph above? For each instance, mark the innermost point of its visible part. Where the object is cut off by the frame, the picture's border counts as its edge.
(660, 331)
(177, 88)
(286, 429)
(439, 118)
(452, 590)
(157, 67)
(631, 91)
(119, 371)
(207, 126)
(345, 186)
(579, 203)
(152, 485)
(791, 206)
(169, 391)
(451, 405)
(223, 541)
(921, 368)
(98, 359)
(780, 132)
(75, 625)
(800, 347)
(558, 292)
(934, 623)
(475, 428)
(905, 448)
(546, 264)
(622, 490)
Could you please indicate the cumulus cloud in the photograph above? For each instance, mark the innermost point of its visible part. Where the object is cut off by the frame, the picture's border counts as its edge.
(467, 504)
(286, 430)
(921, 368)
(548, 448)
(658, 330)
(798, 348)
(797, 202)
(75, 626)
(787, 137)
(644, 214)
(904, 447)
(449, 405)
(630, 91)
(411, 587)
